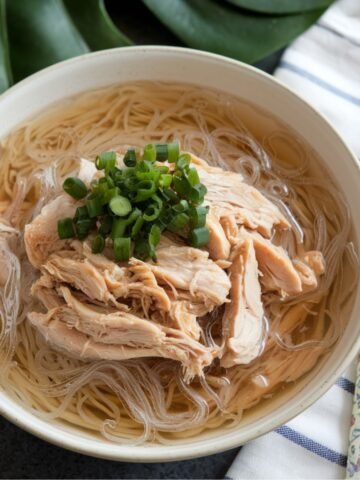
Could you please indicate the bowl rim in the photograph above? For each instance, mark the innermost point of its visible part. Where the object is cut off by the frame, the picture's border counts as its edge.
(203, 447)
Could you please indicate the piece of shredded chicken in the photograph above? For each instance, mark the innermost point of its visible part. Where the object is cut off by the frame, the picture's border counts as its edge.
(98, 309)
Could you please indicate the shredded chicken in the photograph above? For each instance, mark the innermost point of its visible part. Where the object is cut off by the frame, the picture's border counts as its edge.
(97, 309)
(41, 235)
(91, 332)
(228, 194)
(243, 317)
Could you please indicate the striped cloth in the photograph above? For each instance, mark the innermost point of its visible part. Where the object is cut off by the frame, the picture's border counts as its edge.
(322, 66)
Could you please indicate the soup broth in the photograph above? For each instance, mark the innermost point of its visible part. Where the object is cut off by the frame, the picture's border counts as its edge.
(147, 399)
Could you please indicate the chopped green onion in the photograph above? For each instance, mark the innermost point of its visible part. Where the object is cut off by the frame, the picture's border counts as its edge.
(106, 225)
(162, 169)
(133, 216)
(98, 244)
(122, 249)
(121, 206)
(182, 186)
(146, 189)
(137, 227)
(161, 152)
(108, 195)
(153, 175)
(183, 162)
(170, 195)
(169, 198)
(154, 239)
(197, 193)
(173, 152)
(178, 222)
(141, 248)
(193, 177)
(94, 206)
(65, 228)
(130, 158)
(118, 228)
(81, 212)
(83, 227)
(198, 216)
(75, 187)
(110, 182)
(149, 152)
(165, 180)
(105, 161)
(151, 213)
(182, 206)
(199, 237)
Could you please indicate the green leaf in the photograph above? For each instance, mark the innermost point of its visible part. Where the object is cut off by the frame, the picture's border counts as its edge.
(40, 33)
(282, 6)
(5, 71)
(95, 25)
(217, 28)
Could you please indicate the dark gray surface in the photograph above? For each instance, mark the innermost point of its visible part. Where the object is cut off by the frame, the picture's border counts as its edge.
(24, 456)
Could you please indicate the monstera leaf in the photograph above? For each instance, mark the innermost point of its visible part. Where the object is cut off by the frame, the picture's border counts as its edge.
(38, 33)
(281, 6)
(217, 27)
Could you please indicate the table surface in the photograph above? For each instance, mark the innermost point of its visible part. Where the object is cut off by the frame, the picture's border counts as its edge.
(25, 456)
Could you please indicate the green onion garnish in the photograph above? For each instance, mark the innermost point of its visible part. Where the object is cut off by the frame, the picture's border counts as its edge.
(98, 244)
(178, 222)
(65, 228)
(105, 161)
(173, 152)
(149, 153)
(130, 158)
(122, 249)
(133, 205)
(199, 237)
(198, 216)
(161, 152)
(94, 206)
(183, 161)
(120, 206)
(75, 187)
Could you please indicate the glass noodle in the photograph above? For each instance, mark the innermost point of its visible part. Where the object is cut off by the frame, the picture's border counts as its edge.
(147, 399)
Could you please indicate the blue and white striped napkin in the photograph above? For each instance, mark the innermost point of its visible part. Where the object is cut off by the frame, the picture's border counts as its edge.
(322, 66)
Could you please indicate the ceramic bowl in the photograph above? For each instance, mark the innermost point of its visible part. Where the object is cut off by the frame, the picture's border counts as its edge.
(207, 70)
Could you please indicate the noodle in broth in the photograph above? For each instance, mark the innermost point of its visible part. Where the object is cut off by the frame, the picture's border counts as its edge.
(147, 399)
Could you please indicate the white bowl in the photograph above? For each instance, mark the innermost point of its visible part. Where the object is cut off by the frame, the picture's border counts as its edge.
(208, 70)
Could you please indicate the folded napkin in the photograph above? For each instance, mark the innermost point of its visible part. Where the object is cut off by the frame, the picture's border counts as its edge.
(322, 66)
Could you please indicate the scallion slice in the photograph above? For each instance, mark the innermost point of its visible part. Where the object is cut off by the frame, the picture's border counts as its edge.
(120, 206)
(173, 152)
(199, 237)
(193, 177)
(75, 187)
(94, 206)
(106, 225)
(149, 152)
(122, 249)
(118, 228)
(183, 162)
(198, 216)
(154, 239)
(81, 212)
(135, 230)
(178, 222)
(65, 228)
(98, 244)
(145, 190)
(130, 158)
(161, 152)
(105, 161)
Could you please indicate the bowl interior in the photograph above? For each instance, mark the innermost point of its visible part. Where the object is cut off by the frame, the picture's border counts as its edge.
(175, 64)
